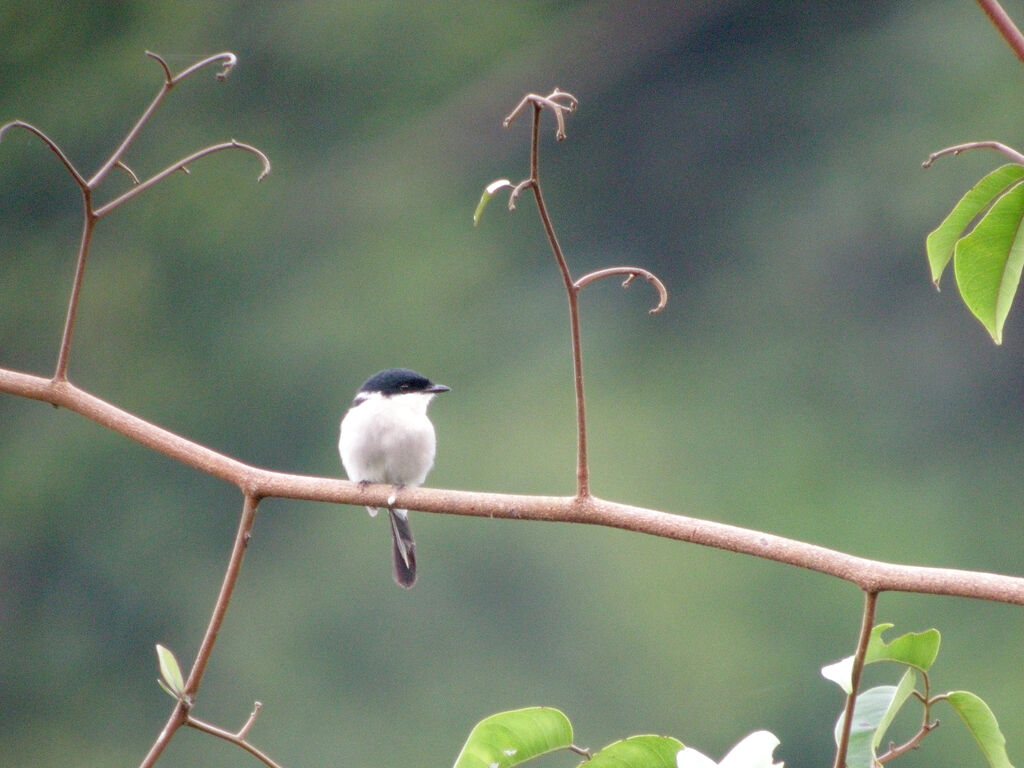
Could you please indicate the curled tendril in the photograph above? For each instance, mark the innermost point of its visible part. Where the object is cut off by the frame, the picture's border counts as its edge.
(1010, 152)
(631, 274)
(227, 58)
(553, 101)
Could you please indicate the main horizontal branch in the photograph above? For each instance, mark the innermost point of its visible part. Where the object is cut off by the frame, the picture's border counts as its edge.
(869, 575)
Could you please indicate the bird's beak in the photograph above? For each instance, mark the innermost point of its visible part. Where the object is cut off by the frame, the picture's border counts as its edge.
(436, 389)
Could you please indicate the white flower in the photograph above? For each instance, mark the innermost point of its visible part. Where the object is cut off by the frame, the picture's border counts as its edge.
(755, 751)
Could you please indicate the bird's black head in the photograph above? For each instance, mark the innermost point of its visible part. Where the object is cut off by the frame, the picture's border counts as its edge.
(400, 381)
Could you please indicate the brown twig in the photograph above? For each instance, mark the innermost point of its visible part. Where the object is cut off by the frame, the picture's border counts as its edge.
(631, 274)
(170, 81)
(561, 103)
(582, 751)
(867, 622)
(1005, 25)
(868, 575)
(238, 738)
(182, 165)
(91, 214)
(1010, 152)
(181, 714)
(79, 180)
(909, 746)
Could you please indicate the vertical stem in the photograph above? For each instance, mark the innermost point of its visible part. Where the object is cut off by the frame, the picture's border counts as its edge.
(61, 373)
(177, 719)
(179, 716)
(867, 623)
(1005, 25)
(582, 469)
(227, 588)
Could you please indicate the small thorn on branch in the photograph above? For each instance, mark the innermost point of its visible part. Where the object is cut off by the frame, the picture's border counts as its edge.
(583, 751)
(168, 77)
(243, 732)
(124, 167)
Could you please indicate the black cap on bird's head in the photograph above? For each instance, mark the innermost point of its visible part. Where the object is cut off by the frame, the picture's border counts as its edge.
(400, 381)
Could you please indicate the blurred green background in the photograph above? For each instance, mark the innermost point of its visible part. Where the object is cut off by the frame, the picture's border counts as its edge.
(806, 378)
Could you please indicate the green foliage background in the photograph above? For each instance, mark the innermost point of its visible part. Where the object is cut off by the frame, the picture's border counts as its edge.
(806, 379)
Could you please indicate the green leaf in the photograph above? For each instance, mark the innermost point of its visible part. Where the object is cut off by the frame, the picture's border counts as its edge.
(511, 738)
(489, 191)
(638, 752)
(873, 713)
(170, 672)
(989, 260)
(983, 727)
(915, 649)
(167, 690)
(941, 241)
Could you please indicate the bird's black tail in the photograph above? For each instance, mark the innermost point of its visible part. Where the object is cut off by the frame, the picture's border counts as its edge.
(404, 548)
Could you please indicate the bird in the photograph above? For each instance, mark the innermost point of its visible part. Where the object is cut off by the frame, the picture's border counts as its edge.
(387, 437)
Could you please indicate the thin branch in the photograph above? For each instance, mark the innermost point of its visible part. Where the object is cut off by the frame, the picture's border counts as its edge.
(582, 751)
(913, 743)
(88, 225)
(561, 104)
(180, 715)
(867, 622)
(227, 588)
(79, 179)
(1011, 153)
(169, 82)
(181, 165)
(116, 160)
(1005, 25)
(239, 739)
(517, 190)
(168, 77)
(226, 58)
(631, 274)
(582, 465)
(868, 575)
(244, 730)
(124, 167)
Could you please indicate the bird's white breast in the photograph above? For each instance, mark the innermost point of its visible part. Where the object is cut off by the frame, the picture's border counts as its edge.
(388, 440)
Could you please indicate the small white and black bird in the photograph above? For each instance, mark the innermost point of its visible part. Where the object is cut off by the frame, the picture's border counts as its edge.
(386, 437)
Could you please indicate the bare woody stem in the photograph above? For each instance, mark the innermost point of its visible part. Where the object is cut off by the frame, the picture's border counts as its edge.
(228, 59)
(181, 714)
(582, 467)
(1011, 34)
(559, 102)
(88, 225)
(1011, 153)
(913, 743)
(91, 214)
(867, 622)
(869, 575)
(238, 739)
